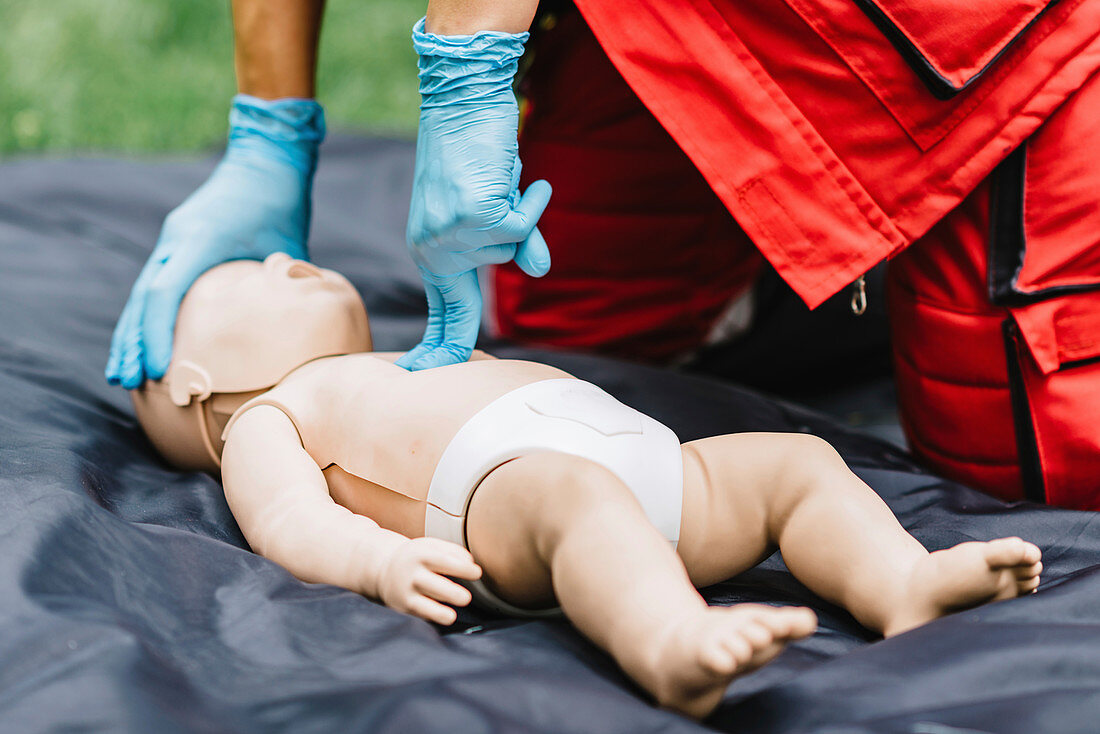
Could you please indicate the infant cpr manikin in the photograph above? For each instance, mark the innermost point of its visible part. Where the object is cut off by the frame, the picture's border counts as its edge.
(530, 488)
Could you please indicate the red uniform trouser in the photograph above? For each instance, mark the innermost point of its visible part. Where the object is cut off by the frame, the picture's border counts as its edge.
(995, 311)
(645, 258)
(995, 315)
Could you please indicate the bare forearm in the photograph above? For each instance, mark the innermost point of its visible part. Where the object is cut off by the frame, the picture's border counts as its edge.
(466, 17)
(276, 46)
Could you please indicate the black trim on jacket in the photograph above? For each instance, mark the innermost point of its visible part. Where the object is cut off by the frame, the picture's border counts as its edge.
(937, 84)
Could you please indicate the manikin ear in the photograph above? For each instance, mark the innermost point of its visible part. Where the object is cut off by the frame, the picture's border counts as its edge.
(186, 380)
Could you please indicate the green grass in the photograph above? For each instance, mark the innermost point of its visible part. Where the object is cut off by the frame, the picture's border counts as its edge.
(157, 75)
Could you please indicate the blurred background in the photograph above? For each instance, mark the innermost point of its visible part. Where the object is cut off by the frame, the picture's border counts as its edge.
(79, 76)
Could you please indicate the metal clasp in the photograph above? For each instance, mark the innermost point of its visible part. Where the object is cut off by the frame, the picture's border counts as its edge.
(859, 296)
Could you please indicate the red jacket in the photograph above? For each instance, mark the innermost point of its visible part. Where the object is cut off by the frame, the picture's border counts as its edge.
(838, 132)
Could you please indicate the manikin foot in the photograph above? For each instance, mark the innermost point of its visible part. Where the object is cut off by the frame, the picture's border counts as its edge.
(966, 576)
(699, 655)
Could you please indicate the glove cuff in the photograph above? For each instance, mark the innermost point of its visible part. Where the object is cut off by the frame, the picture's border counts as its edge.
(288, 129)
(465, 69)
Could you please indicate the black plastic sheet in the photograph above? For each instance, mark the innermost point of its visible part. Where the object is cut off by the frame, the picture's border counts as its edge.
(130, 602)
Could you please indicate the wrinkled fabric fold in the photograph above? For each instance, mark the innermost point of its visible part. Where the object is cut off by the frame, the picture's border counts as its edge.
(130, 602)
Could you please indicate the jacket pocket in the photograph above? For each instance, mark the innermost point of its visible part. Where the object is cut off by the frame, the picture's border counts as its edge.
(1053, 350)
(1045, 209)
(949, 45)
(928, 61)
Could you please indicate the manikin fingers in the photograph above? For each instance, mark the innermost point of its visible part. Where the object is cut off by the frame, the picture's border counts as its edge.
(440, 547)
(459, 568)
(442, 589)
(433, 611)
(447, 558)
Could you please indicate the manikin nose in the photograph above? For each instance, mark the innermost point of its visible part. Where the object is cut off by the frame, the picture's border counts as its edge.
(302, 269)
(280, 262)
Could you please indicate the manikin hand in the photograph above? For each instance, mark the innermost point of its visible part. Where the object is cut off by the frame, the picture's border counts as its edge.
(466, 208)
(414, 580)
(255, 203)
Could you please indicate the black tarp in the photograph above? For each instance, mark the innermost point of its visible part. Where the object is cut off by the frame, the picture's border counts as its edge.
(129, 601)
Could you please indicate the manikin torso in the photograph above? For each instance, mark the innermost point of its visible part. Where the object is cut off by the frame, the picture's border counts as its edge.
(378, 431)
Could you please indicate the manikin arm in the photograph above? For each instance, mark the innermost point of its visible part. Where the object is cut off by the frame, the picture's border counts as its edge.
(280, 499)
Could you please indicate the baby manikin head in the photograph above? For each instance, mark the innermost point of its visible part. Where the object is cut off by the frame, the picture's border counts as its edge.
(242, 327)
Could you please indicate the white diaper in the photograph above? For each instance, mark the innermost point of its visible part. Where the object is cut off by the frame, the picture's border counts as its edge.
(566, 415)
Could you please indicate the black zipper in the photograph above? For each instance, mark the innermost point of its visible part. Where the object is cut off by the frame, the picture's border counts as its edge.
(1008, 240)
(1027, 447)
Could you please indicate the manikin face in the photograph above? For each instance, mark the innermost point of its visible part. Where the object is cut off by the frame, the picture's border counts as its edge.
(244, 286)
(242, 327)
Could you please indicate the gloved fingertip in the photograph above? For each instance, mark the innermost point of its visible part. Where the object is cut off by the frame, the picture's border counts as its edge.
(155, 357)
(536, 268)
(157, 342)
(408, 359)
(437, 358)
(521, 221)
(131, 377)
(156, 366)
(110, 371)
(536, 197)
(533, 255)
(542, 188)
(427, 362)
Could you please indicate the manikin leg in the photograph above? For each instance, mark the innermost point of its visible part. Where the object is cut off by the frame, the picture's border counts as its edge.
(551, 524)
(748, 493)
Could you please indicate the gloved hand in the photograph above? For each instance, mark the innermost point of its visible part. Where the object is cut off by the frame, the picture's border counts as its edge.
(256, 202)
(466, 208)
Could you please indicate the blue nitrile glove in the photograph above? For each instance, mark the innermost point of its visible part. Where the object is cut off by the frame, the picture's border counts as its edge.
(256, 202)
(466, 209)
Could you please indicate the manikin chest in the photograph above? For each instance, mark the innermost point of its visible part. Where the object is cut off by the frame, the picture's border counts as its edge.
(377, 431)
